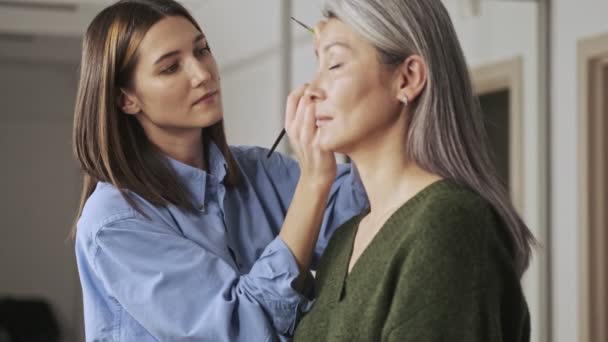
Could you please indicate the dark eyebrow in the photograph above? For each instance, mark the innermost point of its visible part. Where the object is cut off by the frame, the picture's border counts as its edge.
(330, 45)
(176, 52)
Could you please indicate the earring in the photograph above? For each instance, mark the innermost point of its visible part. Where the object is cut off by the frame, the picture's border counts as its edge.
(405, 100)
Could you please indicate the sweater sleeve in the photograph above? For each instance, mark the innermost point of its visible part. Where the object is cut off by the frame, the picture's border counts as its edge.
(445, 291)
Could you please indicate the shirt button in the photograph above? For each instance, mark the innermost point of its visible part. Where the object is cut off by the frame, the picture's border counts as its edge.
(201, 207)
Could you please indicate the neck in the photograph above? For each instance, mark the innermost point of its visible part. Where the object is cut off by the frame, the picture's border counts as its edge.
(390, 178)
(182, 145)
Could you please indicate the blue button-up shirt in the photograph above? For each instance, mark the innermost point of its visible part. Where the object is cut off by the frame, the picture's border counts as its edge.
(222, 274)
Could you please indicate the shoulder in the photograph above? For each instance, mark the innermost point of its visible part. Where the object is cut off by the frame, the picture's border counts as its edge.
(448, 198)
(442, 233)
(447, 223)
(107, 206)
(448, 208)
(259, 155)
(254, 160)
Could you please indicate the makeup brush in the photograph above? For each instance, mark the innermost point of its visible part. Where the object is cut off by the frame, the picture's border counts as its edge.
(303, 25)
(276, 142)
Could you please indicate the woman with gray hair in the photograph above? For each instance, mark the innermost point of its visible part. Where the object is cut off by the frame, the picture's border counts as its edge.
(440, 253)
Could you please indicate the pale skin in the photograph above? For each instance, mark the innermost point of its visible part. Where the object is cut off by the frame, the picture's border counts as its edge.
(360, 112)
(176, 92)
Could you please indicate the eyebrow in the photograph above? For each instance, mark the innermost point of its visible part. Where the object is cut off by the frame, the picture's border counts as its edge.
(330, 45)
(176, 52)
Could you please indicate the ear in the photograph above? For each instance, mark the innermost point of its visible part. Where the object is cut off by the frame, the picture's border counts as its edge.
(128, 102)
(411, 78)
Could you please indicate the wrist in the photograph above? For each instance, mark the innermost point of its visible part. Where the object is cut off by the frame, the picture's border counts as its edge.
(316, 183)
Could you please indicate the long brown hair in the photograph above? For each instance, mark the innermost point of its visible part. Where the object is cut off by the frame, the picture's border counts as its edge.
(110, 145)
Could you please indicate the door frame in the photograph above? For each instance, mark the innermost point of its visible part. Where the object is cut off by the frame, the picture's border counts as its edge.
(507, 75)
(592, 221)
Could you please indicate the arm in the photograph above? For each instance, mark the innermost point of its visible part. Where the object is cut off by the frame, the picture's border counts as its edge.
(336, 189)
(347, 197)
(179, 291)
(317, 172)
(302, 224)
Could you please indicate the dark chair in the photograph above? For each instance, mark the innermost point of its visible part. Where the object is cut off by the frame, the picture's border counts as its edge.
(28, 320)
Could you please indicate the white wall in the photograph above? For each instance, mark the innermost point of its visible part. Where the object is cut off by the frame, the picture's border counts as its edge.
(245, 38)
(55, 22)
(572, 21)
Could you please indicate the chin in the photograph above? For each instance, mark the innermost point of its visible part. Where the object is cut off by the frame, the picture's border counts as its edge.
(210, 119)
(333, 145)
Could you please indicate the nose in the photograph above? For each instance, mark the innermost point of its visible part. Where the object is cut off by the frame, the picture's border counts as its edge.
(314, 92)
(199, 73)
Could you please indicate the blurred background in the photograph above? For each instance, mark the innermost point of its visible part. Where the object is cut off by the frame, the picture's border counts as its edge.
(540, 69)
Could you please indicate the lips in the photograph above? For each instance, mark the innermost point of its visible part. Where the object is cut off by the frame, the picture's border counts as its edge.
(322, 119)
(206, 97)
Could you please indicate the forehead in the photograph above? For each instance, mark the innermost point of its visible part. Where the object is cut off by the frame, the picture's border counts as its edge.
(167, 34)
(334, 25)
(334, 30)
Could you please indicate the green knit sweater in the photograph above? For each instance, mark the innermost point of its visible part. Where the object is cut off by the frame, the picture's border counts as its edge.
(438, 270)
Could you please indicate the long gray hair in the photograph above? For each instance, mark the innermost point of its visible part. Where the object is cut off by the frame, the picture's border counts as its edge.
(446, 133)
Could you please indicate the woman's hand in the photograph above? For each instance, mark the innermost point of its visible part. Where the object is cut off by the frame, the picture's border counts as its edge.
(318, 167)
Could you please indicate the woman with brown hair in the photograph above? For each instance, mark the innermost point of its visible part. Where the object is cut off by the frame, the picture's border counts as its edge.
(179, 236)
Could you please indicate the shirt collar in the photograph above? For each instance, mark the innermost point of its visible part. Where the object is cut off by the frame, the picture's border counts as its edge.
(217, 163)
(195, 178)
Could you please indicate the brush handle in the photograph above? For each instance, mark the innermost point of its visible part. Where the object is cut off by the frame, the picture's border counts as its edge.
(276, 142)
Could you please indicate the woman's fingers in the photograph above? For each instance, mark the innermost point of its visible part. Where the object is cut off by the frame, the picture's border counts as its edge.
(308, 124)
(293, 101)
(300, 124)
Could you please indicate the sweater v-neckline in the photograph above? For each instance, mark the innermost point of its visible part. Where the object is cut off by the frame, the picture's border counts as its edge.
(347, 275)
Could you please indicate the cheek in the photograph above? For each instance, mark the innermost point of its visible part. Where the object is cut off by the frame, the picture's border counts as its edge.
(346, 92)
(360, 106)
(354, 99)
(160, 93)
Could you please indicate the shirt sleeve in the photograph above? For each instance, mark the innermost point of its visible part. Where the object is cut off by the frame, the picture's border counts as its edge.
(347, 196)
(179, 291)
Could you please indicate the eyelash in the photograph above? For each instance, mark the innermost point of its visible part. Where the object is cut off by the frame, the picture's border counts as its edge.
(198, 52)
(170, 69)
(336, 66)
(202, 50)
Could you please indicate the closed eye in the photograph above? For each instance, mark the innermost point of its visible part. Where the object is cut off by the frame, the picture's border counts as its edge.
(335, 66)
